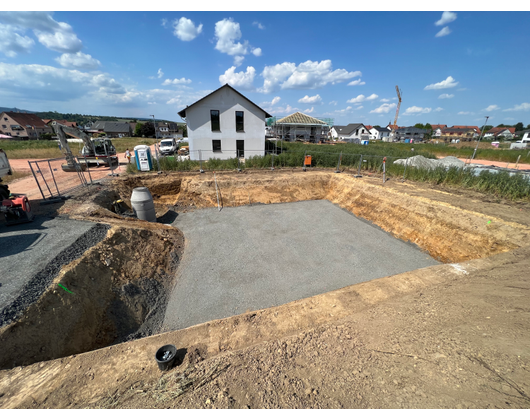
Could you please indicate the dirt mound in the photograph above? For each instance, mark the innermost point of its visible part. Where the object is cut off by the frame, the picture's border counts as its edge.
(422, 162)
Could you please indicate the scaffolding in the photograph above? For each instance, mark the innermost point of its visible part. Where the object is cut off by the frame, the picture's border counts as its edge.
(315, 131)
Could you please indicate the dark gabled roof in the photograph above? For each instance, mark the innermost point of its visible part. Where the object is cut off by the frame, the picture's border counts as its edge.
(111, 126)
(382, 129)
(457, 130)
(346, 129)
(25, 119)
(183, 112)
(412, 129)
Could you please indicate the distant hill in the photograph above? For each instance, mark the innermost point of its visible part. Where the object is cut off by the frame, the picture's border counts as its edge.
(80, 119)
(3, 109)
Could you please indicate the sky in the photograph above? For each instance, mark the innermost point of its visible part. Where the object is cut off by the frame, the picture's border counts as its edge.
(453, 68)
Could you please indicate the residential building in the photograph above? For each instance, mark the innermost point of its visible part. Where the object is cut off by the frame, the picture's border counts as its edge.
(526, 135)
(169, 130)
(437, 129)
(299, 126)
(224, 124)
(495, 132)
(112, 128)
(379, 133)
(410, 133)
(23, 126)
(463, 134)
(351, 133)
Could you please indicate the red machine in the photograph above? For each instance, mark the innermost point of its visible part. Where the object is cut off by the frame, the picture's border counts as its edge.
(16, 209)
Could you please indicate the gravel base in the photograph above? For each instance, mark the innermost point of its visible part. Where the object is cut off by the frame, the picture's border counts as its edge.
(34, 288)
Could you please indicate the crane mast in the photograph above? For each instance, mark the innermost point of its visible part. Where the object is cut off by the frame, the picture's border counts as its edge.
(397, 113)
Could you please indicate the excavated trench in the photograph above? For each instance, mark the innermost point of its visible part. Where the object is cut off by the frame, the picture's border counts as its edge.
(120, 286)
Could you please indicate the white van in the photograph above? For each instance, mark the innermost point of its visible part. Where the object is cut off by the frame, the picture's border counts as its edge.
(168, 146)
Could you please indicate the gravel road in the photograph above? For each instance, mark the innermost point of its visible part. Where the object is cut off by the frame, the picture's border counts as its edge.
(255, 257)
(32, 254)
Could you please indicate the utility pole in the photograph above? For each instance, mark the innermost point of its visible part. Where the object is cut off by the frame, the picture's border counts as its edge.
(156, 144)
(478, 141)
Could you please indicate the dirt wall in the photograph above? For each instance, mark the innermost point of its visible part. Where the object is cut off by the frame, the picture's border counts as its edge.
(116, 290)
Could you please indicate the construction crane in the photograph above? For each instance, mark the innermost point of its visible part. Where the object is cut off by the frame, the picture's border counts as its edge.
(397, 113)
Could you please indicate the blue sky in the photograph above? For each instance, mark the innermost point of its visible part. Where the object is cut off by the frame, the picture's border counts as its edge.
(452, 67)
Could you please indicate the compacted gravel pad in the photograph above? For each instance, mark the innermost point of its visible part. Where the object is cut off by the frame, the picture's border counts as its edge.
(253, 257)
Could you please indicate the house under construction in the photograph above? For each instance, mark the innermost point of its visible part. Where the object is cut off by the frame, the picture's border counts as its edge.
(299, 126)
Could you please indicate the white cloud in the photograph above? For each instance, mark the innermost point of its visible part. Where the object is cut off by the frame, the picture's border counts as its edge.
(151, 103)
(447, 17)
(78, 60)
(357, 99)
(385, 100)
(491, 108)
(525, 106)
(259, 25)
(356, 83)
(444, 84)
(309, 110)
(12, 43)
(242, 80)
(238, 60)
(227, 33)
(417, 110)
(443, 32)
(359, 107)
(159, 74)
(446, 96)
(362, 98)
(461, 89)
(257, 52)
(283, 110)
(334, 103)
(383, 109)
(185, 29)
(465, 113)
(163, 22)
(57, 36)
(307, 75)
(438, 109)
(181, 81)
(310, 99)
(274, 101)
(344, 111)
(38, 82)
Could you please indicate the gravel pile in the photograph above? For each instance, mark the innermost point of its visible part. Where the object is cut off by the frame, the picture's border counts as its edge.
(40, 281)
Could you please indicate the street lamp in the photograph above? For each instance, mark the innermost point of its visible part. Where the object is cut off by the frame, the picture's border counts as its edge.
(478, 141)
(156, 144)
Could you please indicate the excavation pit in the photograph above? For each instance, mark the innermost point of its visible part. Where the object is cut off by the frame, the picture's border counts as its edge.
(120, 286)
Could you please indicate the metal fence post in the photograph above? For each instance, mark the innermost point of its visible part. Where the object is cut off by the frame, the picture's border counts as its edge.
(305, 153)
(44, 179)
(36, 180)
(53, 176)
(272, 162)
(88, 170)
(405, 170)
(338, 163)
(359, 169)
(200, 162)
(384, 169)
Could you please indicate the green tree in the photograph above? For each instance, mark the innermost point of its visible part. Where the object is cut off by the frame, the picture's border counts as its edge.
(519, 126)
(148, 129)
(486, 128)
(419, 126)
(185, 131)
(138, 130)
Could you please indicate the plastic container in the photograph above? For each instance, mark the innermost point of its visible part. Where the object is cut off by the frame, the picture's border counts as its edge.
(143, 205)
(142, 157)
(165, 356)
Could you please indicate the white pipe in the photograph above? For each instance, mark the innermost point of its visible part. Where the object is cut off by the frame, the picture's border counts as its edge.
(215, 179)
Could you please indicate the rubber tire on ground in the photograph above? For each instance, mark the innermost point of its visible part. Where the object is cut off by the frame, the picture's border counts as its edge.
(4, 192)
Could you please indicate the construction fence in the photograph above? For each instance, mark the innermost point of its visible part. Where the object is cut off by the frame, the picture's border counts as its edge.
(55, 179)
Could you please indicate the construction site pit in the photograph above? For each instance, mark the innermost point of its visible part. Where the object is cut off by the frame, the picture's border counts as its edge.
(235, 244)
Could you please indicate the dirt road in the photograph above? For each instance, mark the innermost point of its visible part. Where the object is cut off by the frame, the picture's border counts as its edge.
(452, 335)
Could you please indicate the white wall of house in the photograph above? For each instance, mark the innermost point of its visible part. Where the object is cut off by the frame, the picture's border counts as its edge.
(227, 102)
(437, 132)
(526, 136)
(374, 134)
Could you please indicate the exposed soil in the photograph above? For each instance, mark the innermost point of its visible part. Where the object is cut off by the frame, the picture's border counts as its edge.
(448, 336)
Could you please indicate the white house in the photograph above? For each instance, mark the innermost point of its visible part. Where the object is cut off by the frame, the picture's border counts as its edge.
(526, 135)
(350, 132)
(379, 133)
(224, 123)
(506, 132)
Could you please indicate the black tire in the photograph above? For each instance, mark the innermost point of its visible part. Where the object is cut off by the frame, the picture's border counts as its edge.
(4, 192)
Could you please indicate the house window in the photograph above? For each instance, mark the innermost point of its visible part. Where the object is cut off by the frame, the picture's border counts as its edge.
(214, 117)
(357, 132)
(4, 126)
(216, 145)
(240, 126)
(5, 119)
